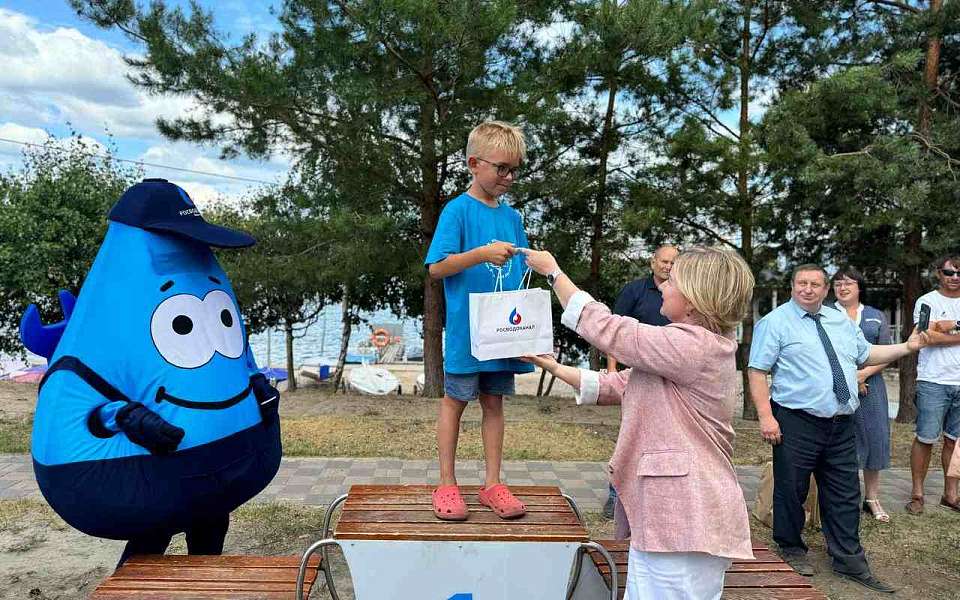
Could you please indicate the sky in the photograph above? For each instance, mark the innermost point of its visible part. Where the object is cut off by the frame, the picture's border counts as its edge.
(59, 73)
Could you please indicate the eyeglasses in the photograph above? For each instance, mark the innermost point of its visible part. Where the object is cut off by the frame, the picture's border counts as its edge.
(950, 273)
(844, 284)
(502, 170)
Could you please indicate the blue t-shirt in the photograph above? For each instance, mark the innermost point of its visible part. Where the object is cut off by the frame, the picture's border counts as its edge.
(467, 223)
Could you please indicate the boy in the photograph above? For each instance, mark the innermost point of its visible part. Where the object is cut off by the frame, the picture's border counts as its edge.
(475, 242)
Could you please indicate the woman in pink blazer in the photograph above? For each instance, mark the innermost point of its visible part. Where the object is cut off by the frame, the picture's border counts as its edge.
(672, 465)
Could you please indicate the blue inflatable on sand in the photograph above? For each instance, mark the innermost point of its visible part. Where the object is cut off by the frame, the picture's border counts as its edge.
(153, 418)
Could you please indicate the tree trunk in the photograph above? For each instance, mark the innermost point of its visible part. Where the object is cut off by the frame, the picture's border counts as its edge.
(543, 375)
(749, 412)
(912, 288)
(346, 326)
(745, 201)
(554, 377)
(596, 234)
(930, 71)
(433, 304)
(291, 374)
(914, 259)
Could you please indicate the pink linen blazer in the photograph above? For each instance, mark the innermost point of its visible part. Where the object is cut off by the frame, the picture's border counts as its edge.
(672, 465)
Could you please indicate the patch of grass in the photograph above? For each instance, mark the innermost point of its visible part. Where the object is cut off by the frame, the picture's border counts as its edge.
(275, 527)
(367, 436)
(901, 440)
(749, 448)
(412, 438)
(918, 555)
(931, 540)
(15, 515)
(15, 435)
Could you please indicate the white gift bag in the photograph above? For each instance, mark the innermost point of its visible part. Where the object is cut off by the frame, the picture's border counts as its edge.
(511, 324)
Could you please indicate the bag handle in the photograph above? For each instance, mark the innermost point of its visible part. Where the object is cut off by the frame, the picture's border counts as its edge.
(527, 276)
(498, 286)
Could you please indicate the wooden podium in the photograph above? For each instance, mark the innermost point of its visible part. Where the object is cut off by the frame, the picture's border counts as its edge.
(396, 547)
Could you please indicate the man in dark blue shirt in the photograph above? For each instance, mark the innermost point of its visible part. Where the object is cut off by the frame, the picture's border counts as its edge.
(640, 299)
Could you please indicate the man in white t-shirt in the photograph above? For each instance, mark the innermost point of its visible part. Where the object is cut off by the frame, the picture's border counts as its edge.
(938, 385)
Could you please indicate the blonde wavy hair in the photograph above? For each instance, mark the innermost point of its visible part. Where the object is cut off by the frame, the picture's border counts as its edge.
(490, 136)
(717, 283)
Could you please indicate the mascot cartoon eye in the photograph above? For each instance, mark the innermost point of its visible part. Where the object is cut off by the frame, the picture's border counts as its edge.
(224, 325)
(181, 331)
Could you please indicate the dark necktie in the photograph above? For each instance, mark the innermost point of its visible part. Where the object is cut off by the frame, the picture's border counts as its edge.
(840, 388)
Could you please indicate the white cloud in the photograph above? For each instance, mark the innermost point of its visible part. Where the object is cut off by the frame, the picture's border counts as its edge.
(50, 77)
(55, 76)
(204, 184)
(203, 195)
(60, 60)
(31, 135)
(11, 154)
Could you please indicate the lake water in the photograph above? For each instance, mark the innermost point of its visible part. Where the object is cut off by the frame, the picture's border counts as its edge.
(321, 341)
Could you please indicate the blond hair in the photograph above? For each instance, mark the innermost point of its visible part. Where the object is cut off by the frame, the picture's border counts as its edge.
(717, 283)
(491, 136)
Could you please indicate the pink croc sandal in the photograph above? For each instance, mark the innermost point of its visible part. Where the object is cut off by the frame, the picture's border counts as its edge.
(501, 501)
(448, 504)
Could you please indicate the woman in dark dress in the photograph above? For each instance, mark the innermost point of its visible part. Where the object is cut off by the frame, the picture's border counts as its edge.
(872, 418)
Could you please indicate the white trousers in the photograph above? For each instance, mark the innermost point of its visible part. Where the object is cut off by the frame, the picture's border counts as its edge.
(675, 575)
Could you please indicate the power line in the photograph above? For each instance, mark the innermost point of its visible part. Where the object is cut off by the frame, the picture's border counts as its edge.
(148, 164)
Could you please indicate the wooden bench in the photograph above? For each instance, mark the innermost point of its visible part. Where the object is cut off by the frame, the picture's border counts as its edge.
(202, 577)
(765, 577)
(405, 512)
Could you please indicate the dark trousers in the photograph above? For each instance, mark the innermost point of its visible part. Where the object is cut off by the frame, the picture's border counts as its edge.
(827, 448)
(204, 537)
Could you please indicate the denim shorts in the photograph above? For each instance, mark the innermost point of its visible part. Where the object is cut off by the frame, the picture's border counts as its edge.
(467, 386)
(938, 411)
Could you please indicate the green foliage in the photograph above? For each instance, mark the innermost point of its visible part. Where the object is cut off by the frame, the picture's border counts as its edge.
(607, 107)
(376, 95)
(52, 219)
(856, 170)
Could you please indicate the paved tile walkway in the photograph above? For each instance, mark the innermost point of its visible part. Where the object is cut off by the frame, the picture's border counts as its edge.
(317, 481)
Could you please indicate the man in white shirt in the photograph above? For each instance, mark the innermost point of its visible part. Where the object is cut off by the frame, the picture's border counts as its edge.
(938, 385)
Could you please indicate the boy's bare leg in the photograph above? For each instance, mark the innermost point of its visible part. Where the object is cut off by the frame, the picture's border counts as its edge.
(949, 483)
(491, 431)
(448, 433)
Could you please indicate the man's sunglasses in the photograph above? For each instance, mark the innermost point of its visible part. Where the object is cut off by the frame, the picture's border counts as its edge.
(502, 170)
(950, 272)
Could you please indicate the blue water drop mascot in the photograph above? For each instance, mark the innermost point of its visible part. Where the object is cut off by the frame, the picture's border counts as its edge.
(152, 418)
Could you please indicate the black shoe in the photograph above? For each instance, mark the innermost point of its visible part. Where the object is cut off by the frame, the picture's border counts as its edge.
(799, 563)
(867, 580)
(608, 508)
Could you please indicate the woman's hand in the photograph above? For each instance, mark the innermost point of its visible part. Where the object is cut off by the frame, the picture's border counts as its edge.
(918, 340)
(547, 362)
(540, 261)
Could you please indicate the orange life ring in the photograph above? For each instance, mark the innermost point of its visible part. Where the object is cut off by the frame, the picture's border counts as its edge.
(380, 337)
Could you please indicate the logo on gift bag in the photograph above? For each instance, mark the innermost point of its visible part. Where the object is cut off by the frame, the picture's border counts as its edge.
(514, 319)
